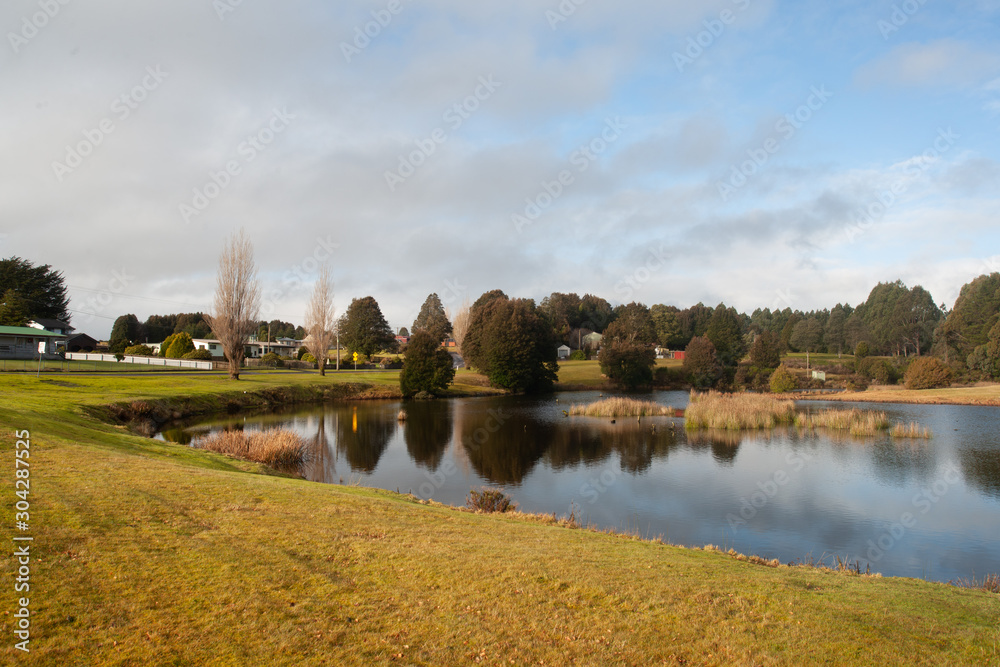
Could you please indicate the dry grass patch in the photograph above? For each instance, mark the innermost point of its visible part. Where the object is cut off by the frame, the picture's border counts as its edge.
(854, 421)
(735, 412)
(620, 406)
(278, 448)
(911, 430)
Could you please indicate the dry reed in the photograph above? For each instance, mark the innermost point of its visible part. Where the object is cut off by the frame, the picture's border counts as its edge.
(911, 430)
(733, 412)
(854, 421)
(622, 407)
(278, 448)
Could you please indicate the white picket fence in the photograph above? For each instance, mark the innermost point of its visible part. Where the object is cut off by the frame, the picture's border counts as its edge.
(147, 361)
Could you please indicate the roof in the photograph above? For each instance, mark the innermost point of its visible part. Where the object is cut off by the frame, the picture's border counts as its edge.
(28, 332)
(78, 335)
(51, 324)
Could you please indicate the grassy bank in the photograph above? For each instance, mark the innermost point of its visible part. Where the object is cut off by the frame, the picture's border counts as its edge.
(151, 553)
(985, 394)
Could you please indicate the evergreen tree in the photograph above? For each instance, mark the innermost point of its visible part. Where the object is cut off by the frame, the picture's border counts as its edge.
(427, 366)
(180, 345)
(726, 333)
(14, 310)
(126, 331)
(433, 319)
(701, 364)
(364, 330)
(42, 290)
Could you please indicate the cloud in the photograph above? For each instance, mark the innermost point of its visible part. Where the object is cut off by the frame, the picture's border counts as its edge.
(944, 62)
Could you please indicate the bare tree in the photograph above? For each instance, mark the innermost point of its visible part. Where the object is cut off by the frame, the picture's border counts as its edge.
(235, 316)
(320, 322)
(460, 325)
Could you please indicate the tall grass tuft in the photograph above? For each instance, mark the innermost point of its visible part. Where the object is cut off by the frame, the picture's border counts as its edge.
(855, 421)
(911, 430)
(489, 500)
(278, 448)
(620, 406)
(732, 412)
(990, 583)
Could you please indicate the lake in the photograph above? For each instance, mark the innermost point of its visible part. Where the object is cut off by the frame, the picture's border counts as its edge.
(915, 508)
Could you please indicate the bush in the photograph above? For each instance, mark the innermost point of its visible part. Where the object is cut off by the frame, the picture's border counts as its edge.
(577, 355)
(489, 500)
(165, 345)
(198, 355)
(927, 373)
(272, 360)
(303, 351)
(308, 358)
(878, 370)
(428, 368)
(139, 351)
(180, 345)
(782, 381)
(861, 351)
(628, 365)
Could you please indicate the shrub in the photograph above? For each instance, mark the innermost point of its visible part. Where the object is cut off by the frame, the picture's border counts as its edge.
(878, 370)
(303, 351)
(308, 358)
(180, 345)
(279, 448)
(927, 373)
(782, 381)
(198, 355)
(272, 360)
(628, 365)
(139, 351)
(165, 345)
(577, 355)
(861, 351)
(489, 500)
(428, 367)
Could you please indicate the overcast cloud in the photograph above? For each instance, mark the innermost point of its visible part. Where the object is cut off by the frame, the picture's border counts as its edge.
(760, 153)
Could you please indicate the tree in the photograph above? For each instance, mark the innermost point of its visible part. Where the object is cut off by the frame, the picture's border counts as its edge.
(237, 300)
(807, 335)
(459, 327)
(405, 333)
(835, 332)
(666, 321)
(473, 345)
(782, 381)
(595, 313)
(726, 333)
(180, 345)
(986, 358)
(126, 331)
(364, 330)
(563, 310)
(42, 289)
(627, 355)
(765, 353)
(427, 366)
(927, 373)
(14, 310)
(701, 364)
(433, 319)
(320, 322)
(975, 313)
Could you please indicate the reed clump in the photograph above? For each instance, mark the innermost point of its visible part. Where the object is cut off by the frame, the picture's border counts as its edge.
(911, 430)
(855, 421)
(620, 406)
(278, 448)
(733, 412)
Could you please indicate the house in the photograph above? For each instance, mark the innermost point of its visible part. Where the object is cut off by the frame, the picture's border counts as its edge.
(28, 342)
(80, 342)
(54, 326)
(563, 351)
(212, 345)
(592, 341)
(402, 340)
(678, 355)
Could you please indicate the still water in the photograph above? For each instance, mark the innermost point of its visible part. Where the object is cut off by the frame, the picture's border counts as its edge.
(914, 508)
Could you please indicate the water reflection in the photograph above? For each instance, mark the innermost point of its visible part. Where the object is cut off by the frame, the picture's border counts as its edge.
(364, 435)
(981, 468)
(427, 432)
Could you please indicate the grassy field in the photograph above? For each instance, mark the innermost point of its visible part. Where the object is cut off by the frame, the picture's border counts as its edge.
(587, 374)
(979, 395)
(152, 553)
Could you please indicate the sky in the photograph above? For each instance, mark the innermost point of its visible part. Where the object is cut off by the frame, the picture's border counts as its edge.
(759, 153)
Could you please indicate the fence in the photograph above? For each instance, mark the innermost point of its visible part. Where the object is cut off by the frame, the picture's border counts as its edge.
(142, 361)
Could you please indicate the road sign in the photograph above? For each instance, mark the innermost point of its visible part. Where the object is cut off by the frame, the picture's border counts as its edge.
(355, 356)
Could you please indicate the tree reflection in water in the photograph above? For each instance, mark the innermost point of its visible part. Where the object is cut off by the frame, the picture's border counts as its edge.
(427, 431)
(363, 434)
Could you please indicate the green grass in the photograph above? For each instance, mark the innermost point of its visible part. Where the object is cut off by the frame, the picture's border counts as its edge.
(152, 553)
(74, 366)
(587, 374)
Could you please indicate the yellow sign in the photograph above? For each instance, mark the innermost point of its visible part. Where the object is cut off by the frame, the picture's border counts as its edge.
(355, 356)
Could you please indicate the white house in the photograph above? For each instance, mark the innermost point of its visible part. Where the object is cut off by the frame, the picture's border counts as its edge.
(563, 351)
(213, 346)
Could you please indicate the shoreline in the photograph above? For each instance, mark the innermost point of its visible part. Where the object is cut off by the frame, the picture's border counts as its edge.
(982, 396)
